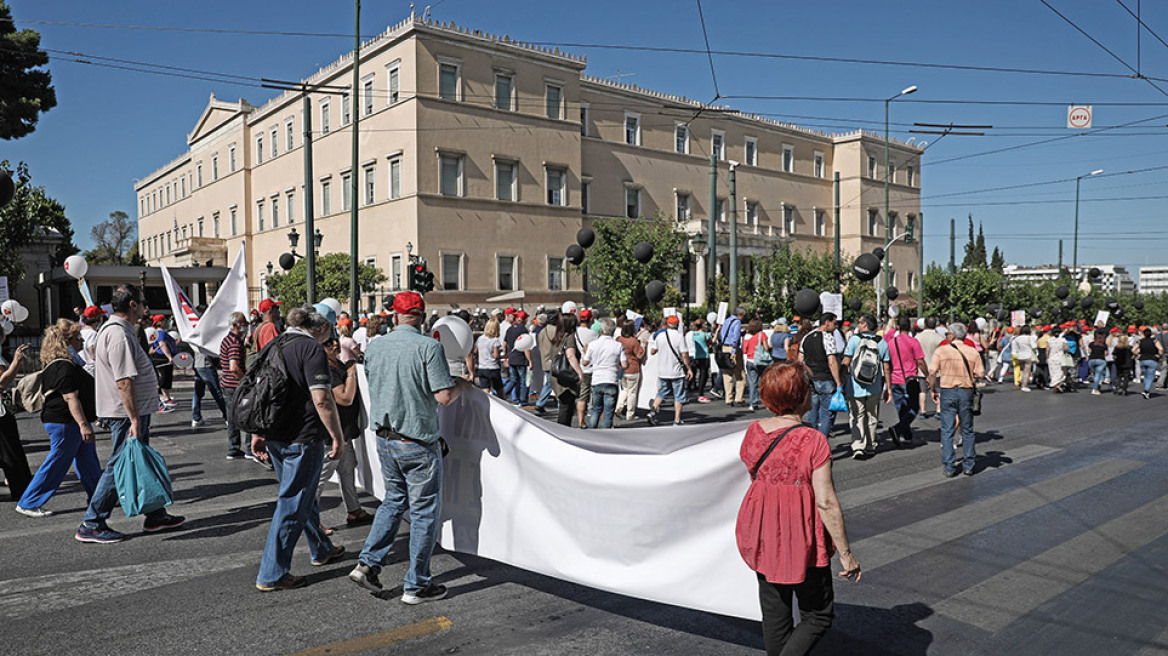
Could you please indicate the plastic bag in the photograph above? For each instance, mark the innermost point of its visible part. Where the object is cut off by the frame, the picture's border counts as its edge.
(838, 402)
(142, 479)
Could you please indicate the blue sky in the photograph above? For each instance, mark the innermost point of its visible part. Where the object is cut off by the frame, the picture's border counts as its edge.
(112, 126)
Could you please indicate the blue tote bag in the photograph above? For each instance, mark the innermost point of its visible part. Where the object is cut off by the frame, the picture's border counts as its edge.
(142, 479)
(838, 402)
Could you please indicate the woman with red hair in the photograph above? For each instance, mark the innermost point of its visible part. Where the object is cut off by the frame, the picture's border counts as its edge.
(790, 522)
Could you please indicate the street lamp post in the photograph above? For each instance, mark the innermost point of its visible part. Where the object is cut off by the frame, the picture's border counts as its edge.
(1075, 248)
(887, 176)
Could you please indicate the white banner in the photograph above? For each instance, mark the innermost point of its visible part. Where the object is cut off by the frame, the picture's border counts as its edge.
(648, 513)
(206, 332)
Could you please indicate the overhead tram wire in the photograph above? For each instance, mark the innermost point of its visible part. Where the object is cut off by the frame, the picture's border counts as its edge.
(1142, 24)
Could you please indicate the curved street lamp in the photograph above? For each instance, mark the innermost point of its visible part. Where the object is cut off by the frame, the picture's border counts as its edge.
(1075, 249)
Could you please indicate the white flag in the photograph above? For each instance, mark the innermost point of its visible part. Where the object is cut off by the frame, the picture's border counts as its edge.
(206, 332)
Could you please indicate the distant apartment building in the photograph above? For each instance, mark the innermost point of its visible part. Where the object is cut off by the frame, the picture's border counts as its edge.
(1153, 279)
(1112, 277)
(485, 156)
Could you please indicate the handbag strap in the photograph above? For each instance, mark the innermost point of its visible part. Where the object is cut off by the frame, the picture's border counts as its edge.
(757, 465)
(972, 381)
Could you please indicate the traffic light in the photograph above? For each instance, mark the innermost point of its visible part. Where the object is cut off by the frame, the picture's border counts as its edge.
(421, 280)
(909, 229)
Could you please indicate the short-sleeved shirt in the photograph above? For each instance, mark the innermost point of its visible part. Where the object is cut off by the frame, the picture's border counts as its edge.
(669, 366)
(486, 346)
(348, 414)
(88, 341)
(929, 341)
(731, 333)
(65, 377)
(1024, 347)
(607, 357)
(634, 351)
(905, 351)
(308, 369)
(947, 362)
(515, 357)
(815, 347)
(231, 348)
(119, 356)
(701, 348)
(779, 345)
(405, 369)
(859, 389)
(266, 333)
(779, 531)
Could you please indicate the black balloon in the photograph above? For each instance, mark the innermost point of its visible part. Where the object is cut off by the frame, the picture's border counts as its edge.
(892, 292)
(575, 254)
(1062, 292)
(855, 304)
(866, 267)
(1094, 272)
(287, 261)
(1139, 305)
(1087, 302)
(7, 188)
(1069, 303)
(585, 237)
(387, 301)
(807, 302)
(1036, 313)
(878, 252)
(993, 307)
(643, 251)
(655, 291)
(1118, 314)
(1112, 303)
(1001, 315)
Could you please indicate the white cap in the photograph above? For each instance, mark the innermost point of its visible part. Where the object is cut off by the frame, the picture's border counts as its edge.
(569, 307)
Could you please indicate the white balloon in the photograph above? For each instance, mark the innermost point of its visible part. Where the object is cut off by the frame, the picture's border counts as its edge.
(9, 307)
(981, 323)
(76, 266)
(7, 326)
(174, 335)
(151, 334)
(183, 360)
(921, 323)
(20, 313)
(455, 335)
(334, 304)
(712, 318)
(525, 342)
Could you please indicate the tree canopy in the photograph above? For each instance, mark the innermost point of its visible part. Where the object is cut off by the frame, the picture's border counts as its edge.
(114, 241)
(332, 279)
(27, 90)
(30, 214)
(616, 278)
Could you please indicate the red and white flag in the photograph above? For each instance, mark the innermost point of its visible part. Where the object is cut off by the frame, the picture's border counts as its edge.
(206, 332)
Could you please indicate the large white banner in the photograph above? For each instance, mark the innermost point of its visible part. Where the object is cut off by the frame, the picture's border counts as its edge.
(206, 332)
(647, 513)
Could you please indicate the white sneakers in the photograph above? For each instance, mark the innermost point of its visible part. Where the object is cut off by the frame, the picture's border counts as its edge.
(34, 512)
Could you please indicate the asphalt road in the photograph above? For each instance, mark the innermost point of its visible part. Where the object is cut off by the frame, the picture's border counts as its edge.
(1056, 546)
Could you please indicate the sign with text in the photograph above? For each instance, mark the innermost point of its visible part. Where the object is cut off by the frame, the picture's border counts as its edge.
(833, 303)
(1017, 317)
(1079, 116)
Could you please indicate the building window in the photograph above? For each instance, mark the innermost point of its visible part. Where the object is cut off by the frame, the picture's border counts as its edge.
(234, 222)
(505, 265)
(682, 207)
(504, 90)
(199, 175)
(275, 211)
(395, 272)
(231, 158)
(584, 116)
(346, 108)
(788, 220)
(168, 194)
(184, 233)
(183, 183)
(909, 177)
(586, 197)
(717, 145)
(632, 202)
(505, 181)
(291, 198)
(892, 172)
(215, 166)
(751, 213)
(451, 271)
(751, 151)
(324, 117)
(788, 159)
(450, 175)
(275, 140)
(215, 223)
(367, 95)
(820, 224)
(346, 191)
(370, 185)
(260, 149)
(873, 223)
(260, 215)
(872, 167)
(326, 197)
(289, 136)
(633, 129)
(911, 280)
(721, 210)
(555, 274)
(556, 186)
(681, 139)
(395, 177)
(554, 100)
(448, 81)
(818, 170)
(394, 74)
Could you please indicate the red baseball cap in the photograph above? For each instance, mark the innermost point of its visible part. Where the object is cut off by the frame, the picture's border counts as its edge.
(521, 315)
(509, 310)
(158, 317)
(672, 320)
(409, 303)
(268, 304)
(1131, 329)
(92, 312)
(1114, 330)
(585, 313)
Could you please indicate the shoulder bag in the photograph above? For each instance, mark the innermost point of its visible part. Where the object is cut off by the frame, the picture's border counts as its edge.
(757, 465)
(562, 369)
(975, 406)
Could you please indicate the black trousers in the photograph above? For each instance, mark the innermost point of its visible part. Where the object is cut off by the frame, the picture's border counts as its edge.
(701, 374)
(12, 458)
(567, 408)
(816, 611)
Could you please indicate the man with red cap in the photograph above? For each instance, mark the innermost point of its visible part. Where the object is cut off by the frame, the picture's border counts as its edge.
(268, 330)
(91, 320)
(408, 379)
(672, 369)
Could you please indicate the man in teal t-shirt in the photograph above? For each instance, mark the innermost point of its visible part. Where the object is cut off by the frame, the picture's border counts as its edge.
(864, 400)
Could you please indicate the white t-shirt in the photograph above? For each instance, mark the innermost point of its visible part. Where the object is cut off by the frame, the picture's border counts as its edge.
(88, 341)
(1024, 346)
(607, 358)
(485, 345)
(361, 337)
(668, 366)
(584, 337)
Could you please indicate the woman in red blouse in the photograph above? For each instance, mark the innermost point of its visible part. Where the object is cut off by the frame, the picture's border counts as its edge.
(790, 521)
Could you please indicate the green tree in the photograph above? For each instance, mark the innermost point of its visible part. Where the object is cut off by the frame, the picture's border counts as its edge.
(616, 278)
(998, 261)
(780, 275)
(113, 240)
(332, 280)
(31, 212)
(27, 90)
(975, 251)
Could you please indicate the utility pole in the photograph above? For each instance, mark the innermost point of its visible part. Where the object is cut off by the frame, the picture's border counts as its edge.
(309, 217)
(952, 261)
(836, 226)
(733, 237)
(1060, 268)
(354, 286)
(921, 269)
(712, 273)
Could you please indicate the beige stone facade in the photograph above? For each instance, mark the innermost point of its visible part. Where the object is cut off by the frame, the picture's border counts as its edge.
(486, 155)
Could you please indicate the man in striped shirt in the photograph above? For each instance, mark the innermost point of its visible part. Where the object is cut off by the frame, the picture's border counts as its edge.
(231, 368)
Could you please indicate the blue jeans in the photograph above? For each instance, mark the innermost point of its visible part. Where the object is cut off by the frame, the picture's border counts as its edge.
(1147, 370)
(413, 482)
(297, 469)
(1098, 368)
(907, 408)
(957, 402)
(546, 394)
(206, 378)
(753, 373)
(105, 497)
(671, 386)
(819, 416)
(603, 397)
(516, 385)
(65, 447)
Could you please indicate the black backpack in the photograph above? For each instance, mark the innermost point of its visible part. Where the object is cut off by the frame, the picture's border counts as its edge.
(262, 394)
